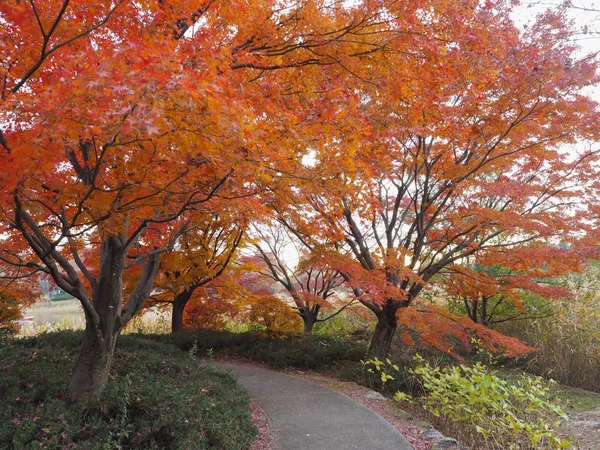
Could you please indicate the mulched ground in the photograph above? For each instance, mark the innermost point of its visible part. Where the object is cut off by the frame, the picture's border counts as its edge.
(264, 440)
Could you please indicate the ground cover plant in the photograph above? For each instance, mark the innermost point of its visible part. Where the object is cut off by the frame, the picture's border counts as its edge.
(280, 350)
(158, 397)
(475, 403)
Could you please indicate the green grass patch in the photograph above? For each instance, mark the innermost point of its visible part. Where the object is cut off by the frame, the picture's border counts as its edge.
(158, 398)
(573, 399)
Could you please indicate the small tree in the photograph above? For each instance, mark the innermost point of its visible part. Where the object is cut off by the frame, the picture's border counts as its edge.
(522, 288)
(200, 256)
(311, 284)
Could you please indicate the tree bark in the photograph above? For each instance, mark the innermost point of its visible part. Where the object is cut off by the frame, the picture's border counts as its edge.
(93, 364)
(384, 331)
(309, 317)
(179, 303)
(103, 324)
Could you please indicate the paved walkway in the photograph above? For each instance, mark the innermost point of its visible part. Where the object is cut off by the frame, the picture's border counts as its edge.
(306, 416)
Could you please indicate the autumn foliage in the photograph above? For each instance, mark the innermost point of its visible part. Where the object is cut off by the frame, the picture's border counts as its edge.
(208, 311)
(226, 302)
(394, 140)
(462, 155)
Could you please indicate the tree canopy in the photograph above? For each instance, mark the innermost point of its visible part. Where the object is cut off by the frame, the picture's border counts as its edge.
(394, 140)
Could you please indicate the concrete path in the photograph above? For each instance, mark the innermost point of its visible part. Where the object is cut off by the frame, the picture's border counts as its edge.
(306, 416)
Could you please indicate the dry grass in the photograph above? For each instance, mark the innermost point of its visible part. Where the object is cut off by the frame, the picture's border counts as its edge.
(151, 322)
(568, 342)
(62, 324)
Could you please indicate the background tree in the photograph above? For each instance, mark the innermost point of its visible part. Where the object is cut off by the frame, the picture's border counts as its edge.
(18, 290)
(200, 256)
(522, 288)
(234, 300)
(310, 284)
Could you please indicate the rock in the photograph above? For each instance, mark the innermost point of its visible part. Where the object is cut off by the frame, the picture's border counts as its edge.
(399, 413)
(431, 433)
(445, 444)
(374, 396)
(593, 424)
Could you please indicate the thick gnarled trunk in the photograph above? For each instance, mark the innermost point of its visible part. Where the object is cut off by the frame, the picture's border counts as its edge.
(103, 324)
(309, 316)
(385, 329)
(105, 316)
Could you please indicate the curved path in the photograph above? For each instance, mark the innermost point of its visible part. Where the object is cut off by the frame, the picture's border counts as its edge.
(306, 416)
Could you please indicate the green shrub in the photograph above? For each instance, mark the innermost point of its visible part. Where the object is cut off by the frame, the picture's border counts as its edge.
(315, 352)
(383, 376)
(305, 352)
(475, 404)
(157, 398)
(345, 324)
(223, 342)
(507, 415)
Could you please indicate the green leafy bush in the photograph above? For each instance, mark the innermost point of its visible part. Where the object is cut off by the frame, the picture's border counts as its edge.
(345, 324)
(158, 398)
(306, 352)
(376, 373)
(472, 401)
(316, 352)
(507, 415)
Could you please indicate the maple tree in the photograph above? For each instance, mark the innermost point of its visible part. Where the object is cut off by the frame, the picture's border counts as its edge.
(311, 285)
(201, 254)
(9, 312)
(462, 153)
(496, 294)
(240, 297)
(18, 290)
(271, 313)
(207, 308)
(120, 117)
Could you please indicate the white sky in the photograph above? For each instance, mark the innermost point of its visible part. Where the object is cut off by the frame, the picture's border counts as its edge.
(584, 13)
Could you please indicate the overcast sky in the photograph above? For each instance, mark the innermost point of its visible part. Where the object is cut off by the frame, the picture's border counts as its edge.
(585, 14)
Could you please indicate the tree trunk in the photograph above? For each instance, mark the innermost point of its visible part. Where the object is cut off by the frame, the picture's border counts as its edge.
(309, 317)
(102, 325)
(179, 303)
(105, 315)
(93, 364)
(384, 331)
(309, 324)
